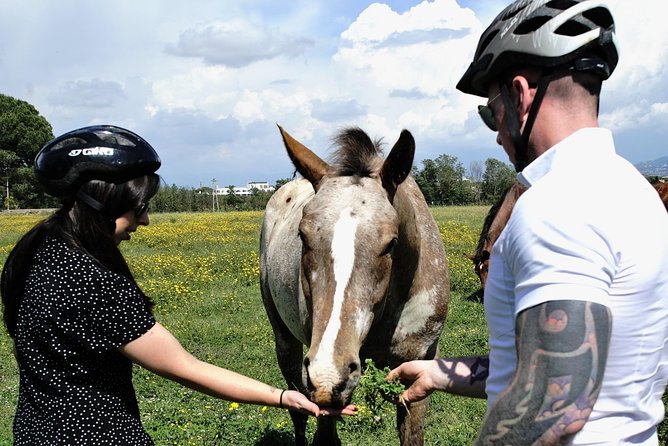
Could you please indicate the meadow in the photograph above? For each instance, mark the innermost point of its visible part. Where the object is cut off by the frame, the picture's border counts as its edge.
(201, 269)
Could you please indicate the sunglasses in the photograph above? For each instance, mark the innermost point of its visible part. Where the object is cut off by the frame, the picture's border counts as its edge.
(141, 209)
(487, 114)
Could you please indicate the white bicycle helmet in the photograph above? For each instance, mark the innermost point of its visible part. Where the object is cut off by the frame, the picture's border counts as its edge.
(544, 33)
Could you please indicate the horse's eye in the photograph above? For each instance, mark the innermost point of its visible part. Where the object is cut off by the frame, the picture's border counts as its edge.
(390, 247)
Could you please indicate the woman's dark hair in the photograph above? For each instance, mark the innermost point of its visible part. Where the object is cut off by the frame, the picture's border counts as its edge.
(82, 228)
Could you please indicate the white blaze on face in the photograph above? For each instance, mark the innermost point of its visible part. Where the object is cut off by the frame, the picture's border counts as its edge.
(343, 256)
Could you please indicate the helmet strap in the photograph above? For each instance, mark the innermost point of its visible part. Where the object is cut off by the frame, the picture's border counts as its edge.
(90, 201)
(541, 89)
(512, 124)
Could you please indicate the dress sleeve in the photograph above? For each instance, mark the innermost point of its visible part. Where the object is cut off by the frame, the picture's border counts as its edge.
(111, 314)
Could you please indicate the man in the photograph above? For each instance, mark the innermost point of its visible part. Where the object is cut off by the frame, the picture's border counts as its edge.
(577, 294)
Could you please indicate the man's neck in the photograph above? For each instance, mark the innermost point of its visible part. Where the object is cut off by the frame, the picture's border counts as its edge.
(554, 124)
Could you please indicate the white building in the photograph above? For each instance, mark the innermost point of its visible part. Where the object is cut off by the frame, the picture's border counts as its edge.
(241, 191)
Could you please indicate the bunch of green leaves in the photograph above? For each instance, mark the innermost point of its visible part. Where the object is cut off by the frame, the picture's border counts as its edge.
(375, 389)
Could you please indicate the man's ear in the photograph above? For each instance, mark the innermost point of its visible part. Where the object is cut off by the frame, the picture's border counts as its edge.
(522, 96)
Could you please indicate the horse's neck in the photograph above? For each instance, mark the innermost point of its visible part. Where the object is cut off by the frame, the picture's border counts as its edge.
(410, 215)
(504, 212)
(416, 228)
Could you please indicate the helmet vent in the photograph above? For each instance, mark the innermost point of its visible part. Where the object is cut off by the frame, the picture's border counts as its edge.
(487, 41)
(601, 17)
(572, 28)
(561, 4)
(531, 25)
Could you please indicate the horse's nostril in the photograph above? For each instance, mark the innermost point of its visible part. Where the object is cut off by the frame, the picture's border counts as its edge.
(353, 367)
(307, 362)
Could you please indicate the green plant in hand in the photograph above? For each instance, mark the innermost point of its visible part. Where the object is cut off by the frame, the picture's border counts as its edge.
(375, 389)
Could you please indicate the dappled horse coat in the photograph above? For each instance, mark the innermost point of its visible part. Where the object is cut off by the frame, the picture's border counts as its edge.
(352, 266)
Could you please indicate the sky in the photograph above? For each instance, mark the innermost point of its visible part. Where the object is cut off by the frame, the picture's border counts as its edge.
(206, 81)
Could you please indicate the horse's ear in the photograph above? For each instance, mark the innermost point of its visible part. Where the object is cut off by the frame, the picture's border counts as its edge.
(399, 162)
(305, 161)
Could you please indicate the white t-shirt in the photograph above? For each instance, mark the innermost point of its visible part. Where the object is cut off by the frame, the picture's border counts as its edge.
(589, 228)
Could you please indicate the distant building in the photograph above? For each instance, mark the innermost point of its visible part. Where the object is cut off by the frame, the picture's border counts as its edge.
(241, 191)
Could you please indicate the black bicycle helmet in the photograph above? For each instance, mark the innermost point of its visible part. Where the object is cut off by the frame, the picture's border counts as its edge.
(547, 34)
(99, 152)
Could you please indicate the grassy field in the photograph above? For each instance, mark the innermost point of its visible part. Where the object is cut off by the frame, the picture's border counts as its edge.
(202, 271)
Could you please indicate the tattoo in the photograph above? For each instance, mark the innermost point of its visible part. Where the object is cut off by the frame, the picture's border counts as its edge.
(479, 369)
(562, 351)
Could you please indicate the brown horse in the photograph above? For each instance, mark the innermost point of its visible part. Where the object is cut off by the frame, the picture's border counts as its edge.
(662, 189)
(495, 221)
(353, 267)
(498, 216)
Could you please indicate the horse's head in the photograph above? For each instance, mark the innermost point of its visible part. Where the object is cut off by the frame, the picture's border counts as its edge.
(481, 265)
(348, 231)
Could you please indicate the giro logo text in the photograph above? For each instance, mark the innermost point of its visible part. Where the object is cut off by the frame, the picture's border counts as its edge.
(104, 151)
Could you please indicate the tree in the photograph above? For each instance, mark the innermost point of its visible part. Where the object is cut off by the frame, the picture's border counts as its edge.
(232, 201)
(428, 181)
(282, 181)
(258, 199)
(443, 183)
(23, 131)
(497, 178)
(475, 172)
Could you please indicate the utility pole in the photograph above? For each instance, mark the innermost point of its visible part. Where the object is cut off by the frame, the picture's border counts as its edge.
(7, 193)
(214, 196)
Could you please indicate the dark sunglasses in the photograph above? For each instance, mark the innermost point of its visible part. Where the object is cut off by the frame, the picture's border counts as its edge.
(487, 114)
(141, 209)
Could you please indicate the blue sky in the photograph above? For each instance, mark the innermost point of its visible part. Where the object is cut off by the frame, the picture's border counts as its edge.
(206, 81)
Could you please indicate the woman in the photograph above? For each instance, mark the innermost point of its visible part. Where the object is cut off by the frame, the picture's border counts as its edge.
(78, 318)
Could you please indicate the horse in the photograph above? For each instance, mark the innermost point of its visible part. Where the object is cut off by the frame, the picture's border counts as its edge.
(495, 221)
(662, 189)
(498, 216)
(352, 266)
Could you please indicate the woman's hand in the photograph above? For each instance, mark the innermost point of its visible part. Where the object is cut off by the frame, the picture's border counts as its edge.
(293, 400)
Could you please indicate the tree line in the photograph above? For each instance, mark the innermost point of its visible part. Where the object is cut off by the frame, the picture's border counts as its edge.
(23, 131)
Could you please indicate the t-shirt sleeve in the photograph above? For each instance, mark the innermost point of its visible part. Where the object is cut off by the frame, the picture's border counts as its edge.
(556, 254)
(110, 314)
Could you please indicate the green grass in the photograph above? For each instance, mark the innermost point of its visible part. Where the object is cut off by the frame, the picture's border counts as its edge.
(201, 269)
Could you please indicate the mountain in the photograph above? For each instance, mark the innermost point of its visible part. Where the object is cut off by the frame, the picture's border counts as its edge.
(658, 167)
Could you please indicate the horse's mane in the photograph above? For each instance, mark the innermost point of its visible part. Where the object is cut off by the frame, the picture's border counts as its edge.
(356, 154)
(489, 220)
(486, 225)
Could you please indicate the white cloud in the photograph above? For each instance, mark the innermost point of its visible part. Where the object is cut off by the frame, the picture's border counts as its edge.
(215, 78)
(643, 43)
(637, 116)
(236, 43)
(93, 93)
(336, 110)
(426, 47)
(379, 22)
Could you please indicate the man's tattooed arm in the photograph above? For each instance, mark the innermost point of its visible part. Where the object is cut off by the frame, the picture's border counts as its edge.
(562, 351)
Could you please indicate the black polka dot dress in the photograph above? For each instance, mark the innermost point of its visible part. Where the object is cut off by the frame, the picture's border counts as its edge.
(75, 387)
